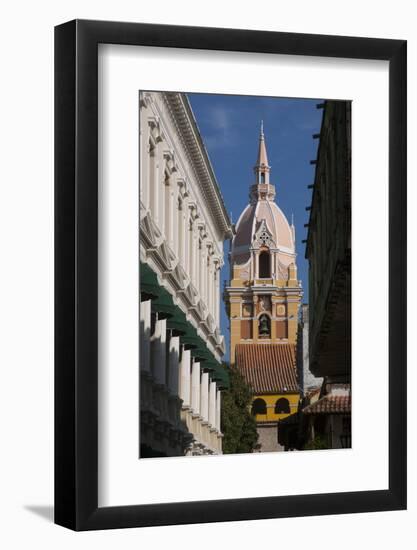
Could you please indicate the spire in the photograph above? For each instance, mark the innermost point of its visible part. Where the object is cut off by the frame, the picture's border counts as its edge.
(261, 189)
(262, 167)
(262, 156)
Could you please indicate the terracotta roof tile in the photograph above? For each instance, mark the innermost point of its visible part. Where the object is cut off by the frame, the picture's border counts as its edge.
(330, 404)
(268, 368)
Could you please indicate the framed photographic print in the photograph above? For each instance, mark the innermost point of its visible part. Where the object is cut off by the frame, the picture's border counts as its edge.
(230, 275)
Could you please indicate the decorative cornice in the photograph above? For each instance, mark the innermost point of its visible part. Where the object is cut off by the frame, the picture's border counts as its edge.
(173, 277)
(184, 118)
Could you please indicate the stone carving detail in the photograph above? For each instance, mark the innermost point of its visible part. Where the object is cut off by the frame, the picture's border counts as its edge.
(263, 236)
(265, 303)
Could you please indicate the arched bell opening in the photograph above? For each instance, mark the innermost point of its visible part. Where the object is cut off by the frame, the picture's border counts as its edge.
(264, 326)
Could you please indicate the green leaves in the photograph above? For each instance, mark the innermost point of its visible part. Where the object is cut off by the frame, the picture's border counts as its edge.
(238, 425)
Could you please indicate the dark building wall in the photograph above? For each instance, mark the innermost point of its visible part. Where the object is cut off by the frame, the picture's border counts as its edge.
(328, 247)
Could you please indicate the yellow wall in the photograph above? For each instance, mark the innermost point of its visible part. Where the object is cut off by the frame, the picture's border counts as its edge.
(270, 400)
(236, 319)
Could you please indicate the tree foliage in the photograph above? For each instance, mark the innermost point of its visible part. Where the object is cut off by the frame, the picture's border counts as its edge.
(318, 443)
(238, 425)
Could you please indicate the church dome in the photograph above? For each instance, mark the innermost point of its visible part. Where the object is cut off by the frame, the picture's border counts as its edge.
(250, 222)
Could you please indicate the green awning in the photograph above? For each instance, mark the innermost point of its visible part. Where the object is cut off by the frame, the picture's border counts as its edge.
(162, 303)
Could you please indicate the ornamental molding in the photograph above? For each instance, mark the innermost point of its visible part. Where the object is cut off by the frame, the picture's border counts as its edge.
(164, 120)
(202, 310)
(171, 275)
(167, 257)
(170, 164)
(263, 236)
(155, 129)
(237, 293)
(211, 323)
(179, 278)
(183, 187)
(150, 232)
(193, 145)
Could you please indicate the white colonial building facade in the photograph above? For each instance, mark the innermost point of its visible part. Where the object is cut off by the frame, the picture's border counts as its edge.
(183, 224)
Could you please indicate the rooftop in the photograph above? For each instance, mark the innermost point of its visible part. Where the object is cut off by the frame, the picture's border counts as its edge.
(268, 368)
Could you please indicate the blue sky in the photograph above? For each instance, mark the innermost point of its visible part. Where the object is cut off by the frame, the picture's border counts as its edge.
(230, 125)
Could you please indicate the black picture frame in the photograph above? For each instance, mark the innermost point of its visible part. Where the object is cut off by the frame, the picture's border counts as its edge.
(76, 271)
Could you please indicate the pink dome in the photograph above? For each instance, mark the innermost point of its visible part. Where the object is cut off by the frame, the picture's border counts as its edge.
(250, 221)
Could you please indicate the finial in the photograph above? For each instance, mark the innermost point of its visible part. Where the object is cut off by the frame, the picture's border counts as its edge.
(292, 218)
(262, 128)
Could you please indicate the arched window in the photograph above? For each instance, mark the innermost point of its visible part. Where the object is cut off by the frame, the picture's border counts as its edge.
(282, 406)
(259, 406)
(264, 265)
(264, 326)
(262, 177)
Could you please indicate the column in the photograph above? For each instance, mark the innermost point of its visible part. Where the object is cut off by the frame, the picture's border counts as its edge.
(169, 213)
(204, 409)
(205, 273)
(195, 388)
(212, 404)
(252, 265)
(159, 343)
(186, 229)
(195, 257)
(209, 284)
(185, 370)
(207, 281)
(153, 178)
(180, 232)
(218, 411)
(175, 236)
(160, 184)
(200, 268)
(217, 298)
(145, 335)
(174, 365)
(144, 163)
(191, 252)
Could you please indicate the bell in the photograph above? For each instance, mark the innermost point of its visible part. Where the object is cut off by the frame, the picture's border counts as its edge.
(263, 325)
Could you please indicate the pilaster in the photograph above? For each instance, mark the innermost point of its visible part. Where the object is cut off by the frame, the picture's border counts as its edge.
(159, 340)
(205, 396)
(212, 404)
(173, 367)
(145, 335)
(195, 388)
(185, 385)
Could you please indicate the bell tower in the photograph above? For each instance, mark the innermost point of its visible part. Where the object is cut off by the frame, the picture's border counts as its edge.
(262, 300)
(264, 294)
